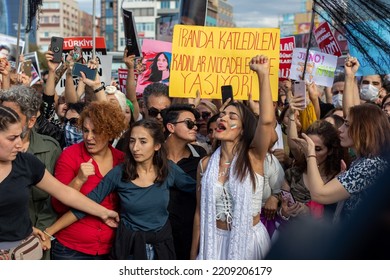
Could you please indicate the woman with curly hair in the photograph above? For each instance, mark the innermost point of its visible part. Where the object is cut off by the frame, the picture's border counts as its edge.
(82, 166)
(142, 183)
(328, 153)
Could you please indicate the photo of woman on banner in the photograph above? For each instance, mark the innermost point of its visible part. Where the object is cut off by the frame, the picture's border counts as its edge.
(159, 69)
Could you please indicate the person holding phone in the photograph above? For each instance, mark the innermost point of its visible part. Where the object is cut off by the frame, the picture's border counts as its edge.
(366, 131)
(230, 182)
(328, 153)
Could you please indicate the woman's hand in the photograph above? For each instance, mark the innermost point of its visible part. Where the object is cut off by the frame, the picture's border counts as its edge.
(86, 169)
(129, 60)
(260, 64)
(111, 218)
(305, 145)
(253, 105)
(45, 241)
(270, 207)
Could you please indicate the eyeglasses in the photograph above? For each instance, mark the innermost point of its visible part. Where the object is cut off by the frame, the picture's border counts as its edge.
(190, 124)
(71, 121)
(205, 115)
(153, 112)
(337, 92)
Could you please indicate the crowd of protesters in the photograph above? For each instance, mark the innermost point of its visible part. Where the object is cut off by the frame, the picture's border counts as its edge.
(95, 173)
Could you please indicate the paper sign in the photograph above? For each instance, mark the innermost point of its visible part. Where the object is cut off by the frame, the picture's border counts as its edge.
(319, 69)
(131, 35)
(326, 41)
(8, 48)
(206, 58)
(122, 77)
(381, 58)
(86, 43)
(156, 56)
(287, 45)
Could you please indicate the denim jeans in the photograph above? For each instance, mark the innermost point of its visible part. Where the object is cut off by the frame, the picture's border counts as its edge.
(61, 252)
(150, 254)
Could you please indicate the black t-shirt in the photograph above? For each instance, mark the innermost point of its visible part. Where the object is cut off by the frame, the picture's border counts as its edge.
(27, 171)
(182, 205)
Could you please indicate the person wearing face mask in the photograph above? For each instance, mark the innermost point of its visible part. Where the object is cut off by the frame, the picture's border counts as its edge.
(370, 88)
(73, 134)
(338, 91)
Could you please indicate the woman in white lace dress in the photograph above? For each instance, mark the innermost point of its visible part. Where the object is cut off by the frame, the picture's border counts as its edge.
(230, 182)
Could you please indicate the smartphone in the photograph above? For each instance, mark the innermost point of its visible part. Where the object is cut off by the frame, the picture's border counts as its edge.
(287, 195)
(27, 67)
(89, 73)
(227, 92)
(56, 46)
(300, 90)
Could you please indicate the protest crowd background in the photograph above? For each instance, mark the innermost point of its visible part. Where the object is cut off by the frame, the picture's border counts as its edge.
(222, 143)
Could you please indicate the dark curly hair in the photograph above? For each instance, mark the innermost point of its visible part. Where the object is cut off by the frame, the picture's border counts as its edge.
(330, 137)
(106, 117)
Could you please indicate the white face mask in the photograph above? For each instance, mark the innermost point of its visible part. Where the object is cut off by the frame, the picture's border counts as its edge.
(369, 93)
(337, 100)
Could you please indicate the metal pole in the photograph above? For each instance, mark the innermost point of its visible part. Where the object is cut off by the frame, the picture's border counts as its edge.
(18, 39)
(310, 36)
(93, 29)
(26, 35)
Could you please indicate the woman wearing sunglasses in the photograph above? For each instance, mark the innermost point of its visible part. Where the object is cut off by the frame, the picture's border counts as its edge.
(180, 130)
(227, 218)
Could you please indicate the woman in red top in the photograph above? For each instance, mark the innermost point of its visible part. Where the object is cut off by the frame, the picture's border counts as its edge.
(82, 166)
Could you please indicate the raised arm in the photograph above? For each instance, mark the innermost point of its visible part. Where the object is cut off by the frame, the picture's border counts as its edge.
(328, 193)
(96, 85)
(131, 84)
(50, 82)
(351, 93)
(266, 123)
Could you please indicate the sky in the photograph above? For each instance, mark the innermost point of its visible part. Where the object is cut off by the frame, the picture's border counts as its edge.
(262, 13)
(247, 13)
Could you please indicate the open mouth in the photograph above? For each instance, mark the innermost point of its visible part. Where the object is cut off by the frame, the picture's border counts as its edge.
(220, 127)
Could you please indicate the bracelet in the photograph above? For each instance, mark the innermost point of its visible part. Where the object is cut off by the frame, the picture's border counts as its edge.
(293, 120)
(309, 156)
(281, 215)
(49, 235)
(102, 87)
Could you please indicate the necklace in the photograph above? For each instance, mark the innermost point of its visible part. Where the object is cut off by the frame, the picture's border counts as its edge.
(225, 170)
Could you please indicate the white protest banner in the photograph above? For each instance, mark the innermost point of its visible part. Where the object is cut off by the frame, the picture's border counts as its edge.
(8, 48)
(320, 67)
(86, 45)
(104, 72)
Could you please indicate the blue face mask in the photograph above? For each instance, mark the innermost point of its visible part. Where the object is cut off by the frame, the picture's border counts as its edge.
(72, 134)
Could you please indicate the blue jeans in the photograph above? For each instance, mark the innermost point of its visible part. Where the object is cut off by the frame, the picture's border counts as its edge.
(150, 254)
(60, 252)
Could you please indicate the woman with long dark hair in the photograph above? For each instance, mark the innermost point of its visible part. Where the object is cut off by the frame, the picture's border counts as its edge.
(160, 68)
(227, 219)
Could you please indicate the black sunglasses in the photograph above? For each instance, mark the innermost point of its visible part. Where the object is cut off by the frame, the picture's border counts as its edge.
(205, 115)
(190, 124)
(153, 112)
(71, 121)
